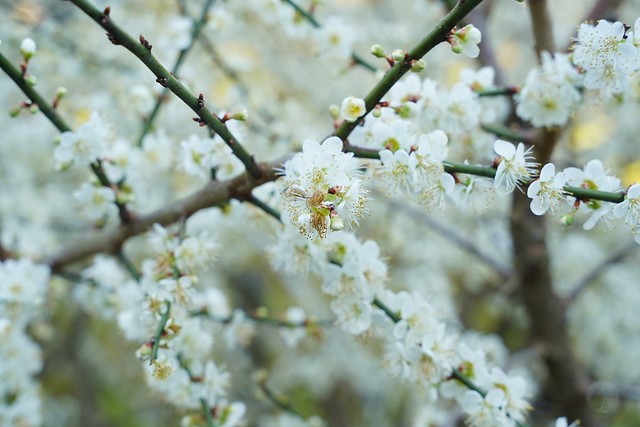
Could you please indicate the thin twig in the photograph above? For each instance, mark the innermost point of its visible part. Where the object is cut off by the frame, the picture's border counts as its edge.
(451, 234)
(142, 50)
(265, 207)
(597, 270)
(212, 194)
(57, 120)
(195, 32)
(431, 40)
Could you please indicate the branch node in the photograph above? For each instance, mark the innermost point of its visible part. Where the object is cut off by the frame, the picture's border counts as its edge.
(112, 39)
(200, 101)
(144, 42)
(163, 81)
(200, 122)
(105, 15)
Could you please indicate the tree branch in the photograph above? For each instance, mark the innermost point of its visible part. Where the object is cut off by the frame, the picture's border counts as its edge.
(212, 194)
(57, 120)
(142, 50)
(431, 40)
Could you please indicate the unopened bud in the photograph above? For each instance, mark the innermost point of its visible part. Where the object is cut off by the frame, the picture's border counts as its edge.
(61, 92)
(15, 111)
(337, 224)
(31, 80)
(27, 49)
(334, 111)
(567, 219)
(377, 51)
(398, 55)
(241, 115)
(418, 66)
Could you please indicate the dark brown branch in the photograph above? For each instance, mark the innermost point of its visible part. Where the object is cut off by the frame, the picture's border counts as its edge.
(213, 194)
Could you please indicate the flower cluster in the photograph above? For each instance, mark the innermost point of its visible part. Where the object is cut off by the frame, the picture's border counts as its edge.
(607, 55)
(322, 189)
(22, 292)
(420, 170)
(550, 94)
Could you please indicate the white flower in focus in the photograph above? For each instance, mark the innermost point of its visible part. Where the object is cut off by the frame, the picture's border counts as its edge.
(594, 177)
(466, 40)
(322, 189)
(395, 171)
(97, 203)
(352, 108)
(606, 56)
(516, 167)
(547, 192)
(84, 146)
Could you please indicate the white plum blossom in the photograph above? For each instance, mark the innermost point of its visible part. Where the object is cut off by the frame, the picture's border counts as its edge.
(547, 192)
(335, 39)
(97, 202)
(485, 411)
(594, 177)
(606, 56)
(466, 40)
(550, 94)
(352, 108)
(23, 281)
(516, 167)
(629, 209)
(322, 188)
(84, 146)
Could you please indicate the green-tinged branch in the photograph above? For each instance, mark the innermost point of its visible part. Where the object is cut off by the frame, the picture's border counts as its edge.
(195, 34)
(57, 120)
(160, 331)
(142, 50)
(490, 172)
(435, 37)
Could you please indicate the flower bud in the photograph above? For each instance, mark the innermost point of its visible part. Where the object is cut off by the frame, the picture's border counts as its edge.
(567, 219)
(398, 55)
(334, 111)
(241, 115)
(337, 224)
(377, 51)
(61, 92)
(27, 49)
(31, 80)
(418, 66)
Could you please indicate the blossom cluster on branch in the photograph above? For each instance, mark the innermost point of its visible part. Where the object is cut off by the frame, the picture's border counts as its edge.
(316, 237)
